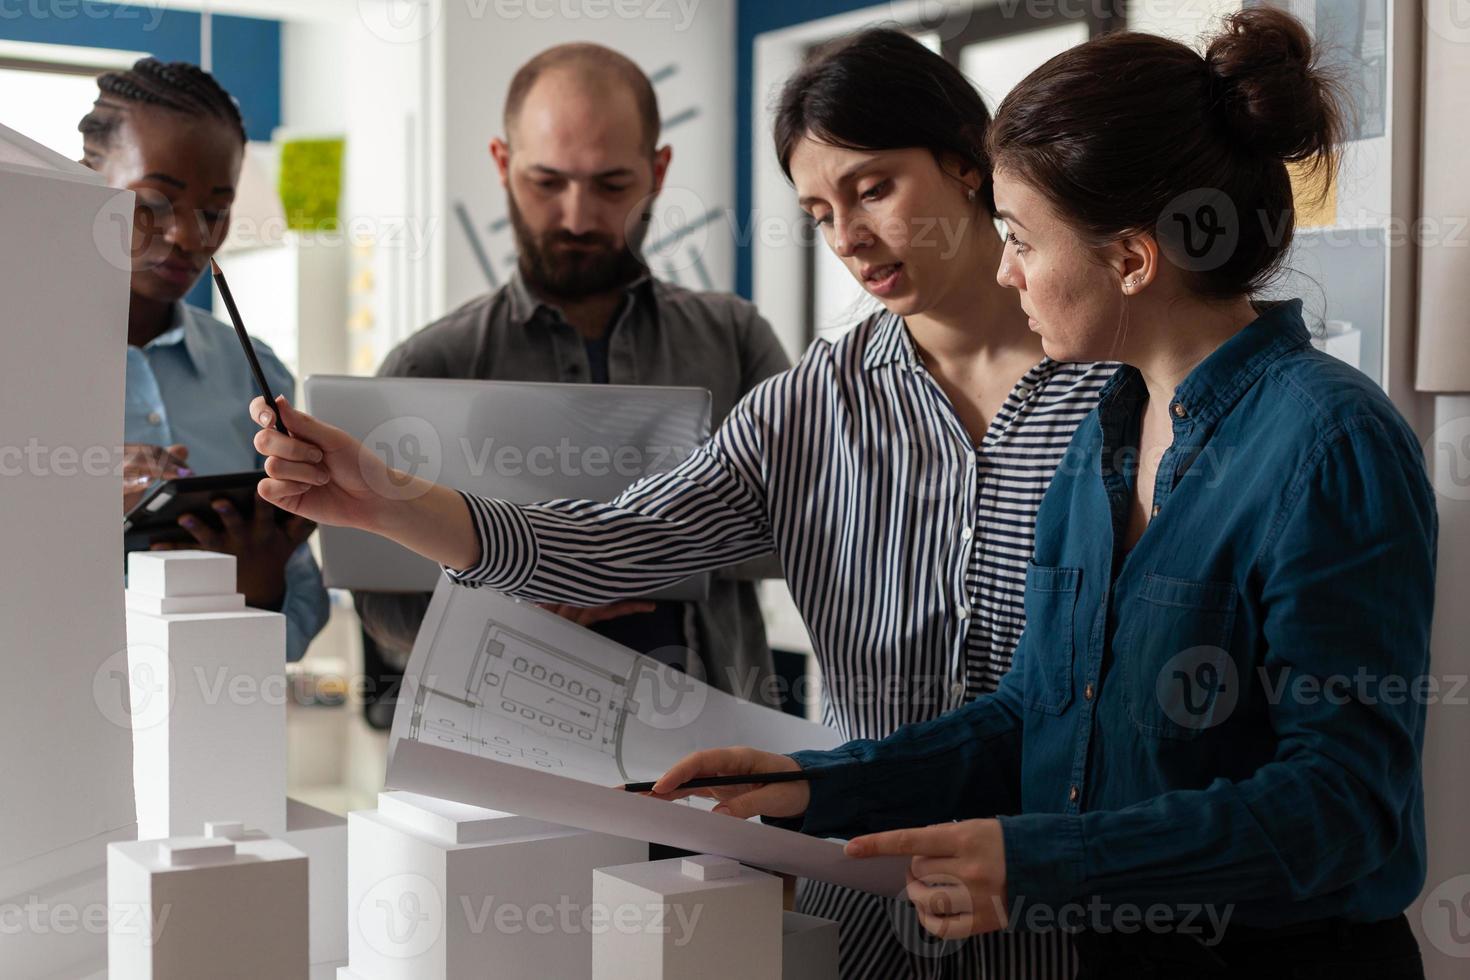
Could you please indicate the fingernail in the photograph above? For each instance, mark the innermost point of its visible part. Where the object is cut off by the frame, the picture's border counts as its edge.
(265, 418)
(187, 521)
(316, 456)
(185, 471)
(220, 506)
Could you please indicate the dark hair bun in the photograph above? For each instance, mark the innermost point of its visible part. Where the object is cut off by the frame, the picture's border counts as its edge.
(1266, 84)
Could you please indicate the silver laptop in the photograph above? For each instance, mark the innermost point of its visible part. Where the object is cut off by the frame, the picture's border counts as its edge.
(520, 442)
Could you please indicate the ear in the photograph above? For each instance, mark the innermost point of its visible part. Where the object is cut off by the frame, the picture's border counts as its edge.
(953, 165)
(1135, 260)
(662, 157)
(500, 150)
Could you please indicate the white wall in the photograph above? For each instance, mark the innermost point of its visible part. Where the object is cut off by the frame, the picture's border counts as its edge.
(487, 42)
(392, 192)
(313, 89)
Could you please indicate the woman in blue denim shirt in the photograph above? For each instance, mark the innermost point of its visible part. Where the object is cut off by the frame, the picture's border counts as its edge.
(1205, 761)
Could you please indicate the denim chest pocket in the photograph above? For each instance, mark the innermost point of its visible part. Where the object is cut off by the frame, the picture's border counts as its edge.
(1173, 652)
(1051, 608)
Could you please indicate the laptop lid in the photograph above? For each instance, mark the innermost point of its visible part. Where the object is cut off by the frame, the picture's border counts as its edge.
(517, 441)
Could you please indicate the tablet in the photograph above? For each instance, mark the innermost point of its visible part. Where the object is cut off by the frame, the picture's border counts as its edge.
(155, 518)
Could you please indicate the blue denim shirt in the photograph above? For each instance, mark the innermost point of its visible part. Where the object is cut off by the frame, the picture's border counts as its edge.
(1232, 713)
(189, 386)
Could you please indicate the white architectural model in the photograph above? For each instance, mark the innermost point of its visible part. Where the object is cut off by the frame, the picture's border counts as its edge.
(808, 947)
(230, 905)
(697, 918)
(322, 837)
(209, 696)
(64, 269)
(439, 890)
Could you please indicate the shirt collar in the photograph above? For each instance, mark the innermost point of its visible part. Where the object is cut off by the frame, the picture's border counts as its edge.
(525, 305)
(1214, 386)
(890, 344)
(184, 329)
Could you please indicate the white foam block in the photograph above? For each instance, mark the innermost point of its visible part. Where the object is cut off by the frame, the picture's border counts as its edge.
(240, 918)
(160, 605)
(423, 906)
(55, 913)
(209, 720)
(708, 867)
(670, 925)
(225, 829)
(171, 574)
(61, 615)
(457, 823)
(194, 853)
(322, 837)
(808, 947)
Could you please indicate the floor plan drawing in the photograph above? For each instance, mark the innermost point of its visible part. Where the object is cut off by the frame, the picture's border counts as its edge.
(506, 680)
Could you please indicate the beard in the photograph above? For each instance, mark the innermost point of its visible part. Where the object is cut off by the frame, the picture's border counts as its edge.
(559, 265)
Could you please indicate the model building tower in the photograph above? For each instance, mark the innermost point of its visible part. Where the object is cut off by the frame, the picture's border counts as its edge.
(209, 678)
(696, 918)
(230, 905)
(64, 270)
(440, 890)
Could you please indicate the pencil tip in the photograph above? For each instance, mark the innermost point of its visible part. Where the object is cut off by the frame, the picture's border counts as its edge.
(215, 266)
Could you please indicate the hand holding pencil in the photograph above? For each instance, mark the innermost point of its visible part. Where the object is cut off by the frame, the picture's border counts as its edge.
(768, 799)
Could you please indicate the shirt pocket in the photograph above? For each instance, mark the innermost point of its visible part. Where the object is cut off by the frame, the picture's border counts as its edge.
(1179, 678)
(1051, 607)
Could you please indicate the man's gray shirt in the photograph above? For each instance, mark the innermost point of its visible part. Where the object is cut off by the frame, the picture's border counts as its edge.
(662, 335)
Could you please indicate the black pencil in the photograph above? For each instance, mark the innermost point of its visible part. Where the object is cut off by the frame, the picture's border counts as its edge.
(750, 777)
(249, 348)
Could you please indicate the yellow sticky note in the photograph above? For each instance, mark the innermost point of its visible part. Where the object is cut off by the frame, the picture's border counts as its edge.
(1314, 194)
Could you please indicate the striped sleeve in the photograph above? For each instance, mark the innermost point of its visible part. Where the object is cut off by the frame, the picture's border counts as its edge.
(708, 513)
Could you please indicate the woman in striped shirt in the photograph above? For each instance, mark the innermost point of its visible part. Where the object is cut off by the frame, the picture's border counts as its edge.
(897, 472)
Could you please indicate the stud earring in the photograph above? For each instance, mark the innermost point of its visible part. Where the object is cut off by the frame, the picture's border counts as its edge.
(971, 194)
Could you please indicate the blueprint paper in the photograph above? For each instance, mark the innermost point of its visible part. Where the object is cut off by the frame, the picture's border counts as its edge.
(507, 680)
(507, 706)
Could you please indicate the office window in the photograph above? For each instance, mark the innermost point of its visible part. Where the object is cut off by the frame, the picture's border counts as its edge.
(46, 106)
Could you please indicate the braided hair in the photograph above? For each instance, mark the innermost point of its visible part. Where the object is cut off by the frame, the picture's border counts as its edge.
(177, 86)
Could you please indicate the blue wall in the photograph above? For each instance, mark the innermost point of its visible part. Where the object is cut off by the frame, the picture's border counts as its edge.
(753, 17)
(247, 53)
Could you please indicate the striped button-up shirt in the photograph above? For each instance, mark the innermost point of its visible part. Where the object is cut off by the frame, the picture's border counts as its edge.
(904, 543)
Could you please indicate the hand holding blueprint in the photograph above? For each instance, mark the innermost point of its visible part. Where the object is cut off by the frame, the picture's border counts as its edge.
(507, 706)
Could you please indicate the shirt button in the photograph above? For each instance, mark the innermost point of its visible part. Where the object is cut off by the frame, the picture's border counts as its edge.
(1087, 692)
(967, 534)
(1073, 795)
(957, 690)
(1155, 511)
(963, 612)
(1179, 410)
(154, 418)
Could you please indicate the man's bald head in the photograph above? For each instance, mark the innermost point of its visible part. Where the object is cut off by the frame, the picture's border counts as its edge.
(595, 69)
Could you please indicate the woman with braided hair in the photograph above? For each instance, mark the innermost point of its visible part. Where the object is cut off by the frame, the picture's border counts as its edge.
(172, 135)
